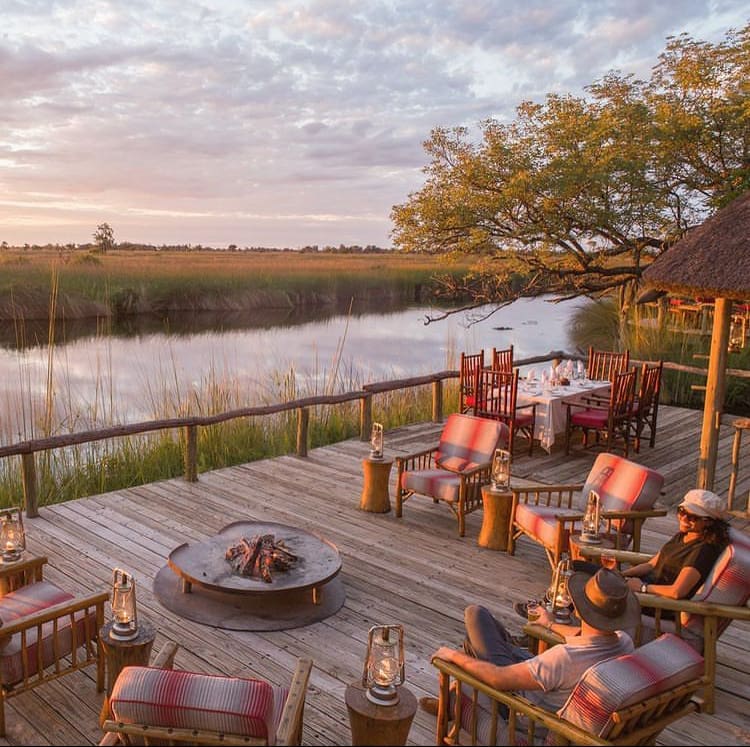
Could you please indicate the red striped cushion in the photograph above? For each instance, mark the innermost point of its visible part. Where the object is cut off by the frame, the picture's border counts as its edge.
(25, 601)
(438, 483)
(470, 438)
(189, 700)
(655, 667)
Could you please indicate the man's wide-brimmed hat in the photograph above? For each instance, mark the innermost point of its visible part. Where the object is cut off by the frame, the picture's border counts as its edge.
(703, 503)
(604, 600)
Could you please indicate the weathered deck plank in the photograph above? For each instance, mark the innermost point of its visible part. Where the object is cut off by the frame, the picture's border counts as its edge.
(415, 571)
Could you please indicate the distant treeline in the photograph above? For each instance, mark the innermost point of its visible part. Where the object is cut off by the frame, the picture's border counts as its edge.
(130, 246)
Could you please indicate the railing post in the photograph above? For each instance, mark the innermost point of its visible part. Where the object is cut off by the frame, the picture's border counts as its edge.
(30, 489)
(365, 417)
(437, 401)
(303, 418)
(191, 453)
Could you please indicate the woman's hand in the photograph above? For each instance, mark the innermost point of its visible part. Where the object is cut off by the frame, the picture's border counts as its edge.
(634, 584)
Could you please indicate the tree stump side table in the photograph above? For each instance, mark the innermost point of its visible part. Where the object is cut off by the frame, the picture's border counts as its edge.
(120, 654)
(497, 506)
(375, 496)
(379, 725)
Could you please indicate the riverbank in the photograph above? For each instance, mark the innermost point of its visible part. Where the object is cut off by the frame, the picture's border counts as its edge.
(40, 284)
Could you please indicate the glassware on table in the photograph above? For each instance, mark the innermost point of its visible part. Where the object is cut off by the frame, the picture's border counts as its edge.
(533, 610)
(608, 560)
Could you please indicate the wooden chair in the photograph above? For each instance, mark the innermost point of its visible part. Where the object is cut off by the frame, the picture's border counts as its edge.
(602, 365)
(626, 700)
(48, 632)
(467, 374)
(496, 394)
(608, 421)
(502, 360)
(548, 514)
(454, 470)
(708, 613)
(160, 705)
(646, 404)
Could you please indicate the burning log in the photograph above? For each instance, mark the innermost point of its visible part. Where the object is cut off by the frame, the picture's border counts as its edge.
(259, 556)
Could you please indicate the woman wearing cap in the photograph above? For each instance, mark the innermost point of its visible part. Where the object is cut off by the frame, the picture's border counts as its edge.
(605, 606)
(684, 561)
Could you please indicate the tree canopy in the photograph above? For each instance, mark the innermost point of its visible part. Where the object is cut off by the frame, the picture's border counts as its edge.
(579, 193)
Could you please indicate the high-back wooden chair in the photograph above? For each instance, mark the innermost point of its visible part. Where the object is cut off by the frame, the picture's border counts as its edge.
(625, 700)
(646, 404)
(548, 514)
(502, 360)
(161, 705)
(467, 374)
(608, 421)
(602, 365)
(455, 470)
(496, 396)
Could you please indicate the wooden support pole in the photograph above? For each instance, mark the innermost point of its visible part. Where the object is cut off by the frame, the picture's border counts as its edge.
(303, 419)
(191, 453)
(437, 401)
(30, 487)
(365, 417)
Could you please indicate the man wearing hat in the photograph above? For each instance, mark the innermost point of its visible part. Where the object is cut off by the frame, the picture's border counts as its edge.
(605, 606)
(684, 561)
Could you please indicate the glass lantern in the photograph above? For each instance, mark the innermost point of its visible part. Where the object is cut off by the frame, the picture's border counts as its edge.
(592, 520)
(12, 535)
(558, 595)
(500, 473)
(376, 441)
(384, 664)
(124, 613)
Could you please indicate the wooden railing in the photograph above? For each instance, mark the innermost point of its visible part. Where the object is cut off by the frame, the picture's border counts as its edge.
(190, 423)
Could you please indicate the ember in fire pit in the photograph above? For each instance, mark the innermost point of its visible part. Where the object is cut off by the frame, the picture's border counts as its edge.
(260, 555)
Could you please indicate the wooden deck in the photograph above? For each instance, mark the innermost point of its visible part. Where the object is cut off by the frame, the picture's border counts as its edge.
(415, 571)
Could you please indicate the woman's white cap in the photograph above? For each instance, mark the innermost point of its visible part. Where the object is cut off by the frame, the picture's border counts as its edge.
(703, 503)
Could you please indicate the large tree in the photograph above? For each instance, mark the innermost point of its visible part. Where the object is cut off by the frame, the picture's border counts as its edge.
(578, 193)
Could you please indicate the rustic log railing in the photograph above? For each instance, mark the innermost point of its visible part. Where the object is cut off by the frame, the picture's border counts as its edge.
(190, 423)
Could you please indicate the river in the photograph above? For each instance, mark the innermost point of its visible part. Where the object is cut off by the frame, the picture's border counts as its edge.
(93, 378)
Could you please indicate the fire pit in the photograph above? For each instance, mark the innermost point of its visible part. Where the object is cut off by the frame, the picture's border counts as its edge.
(201, 584)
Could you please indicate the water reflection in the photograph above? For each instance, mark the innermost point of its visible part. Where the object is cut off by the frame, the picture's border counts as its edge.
(193, 362)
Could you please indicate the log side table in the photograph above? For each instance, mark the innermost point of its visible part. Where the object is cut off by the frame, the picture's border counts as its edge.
(375, 496)
(379, 725)
(497, 507)
(575, 544)
(120, 654)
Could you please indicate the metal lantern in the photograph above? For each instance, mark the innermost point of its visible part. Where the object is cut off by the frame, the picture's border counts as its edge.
(12, 535)
(384, 664)
(376, 441)
(558, 594)
(500, 473)
(592, 519)
(124, 613)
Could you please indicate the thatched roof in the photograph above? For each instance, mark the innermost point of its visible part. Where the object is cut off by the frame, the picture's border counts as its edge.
(711, 260)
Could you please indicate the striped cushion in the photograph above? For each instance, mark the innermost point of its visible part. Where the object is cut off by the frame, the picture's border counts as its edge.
(616, 683)
(540, 522)
(438, 483)
(728, 582)
(25, 601)
(189, 700)
(470, 438)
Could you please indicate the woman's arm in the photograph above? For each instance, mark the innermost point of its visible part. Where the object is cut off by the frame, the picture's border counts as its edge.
(642, 569)
(687, 578)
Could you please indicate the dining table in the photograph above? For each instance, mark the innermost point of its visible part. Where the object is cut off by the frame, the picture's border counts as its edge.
(551, 402)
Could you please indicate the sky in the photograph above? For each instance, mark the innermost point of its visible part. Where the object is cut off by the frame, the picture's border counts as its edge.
(280, 123)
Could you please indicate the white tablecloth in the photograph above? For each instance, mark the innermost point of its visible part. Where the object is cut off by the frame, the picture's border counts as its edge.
(550, 410)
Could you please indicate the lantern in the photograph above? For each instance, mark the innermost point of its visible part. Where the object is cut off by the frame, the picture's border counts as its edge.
(376, 441)
(124, 614)
(558, 594)
(384, 665)
(500, 473)
(591, 519)
(12, 535)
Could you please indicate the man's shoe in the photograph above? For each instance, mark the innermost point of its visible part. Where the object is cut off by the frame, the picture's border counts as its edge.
(429, 705)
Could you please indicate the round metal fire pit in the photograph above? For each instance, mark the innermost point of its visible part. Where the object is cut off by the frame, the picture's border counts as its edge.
(198, 582)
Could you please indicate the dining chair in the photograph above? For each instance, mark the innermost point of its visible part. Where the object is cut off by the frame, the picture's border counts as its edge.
(467, 373)
(607, 420)
(646, 404)
(602, 365)
(496, 396)
(502, 360)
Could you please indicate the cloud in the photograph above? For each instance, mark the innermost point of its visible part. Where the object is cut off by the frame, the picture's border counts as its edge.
(278, 108)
